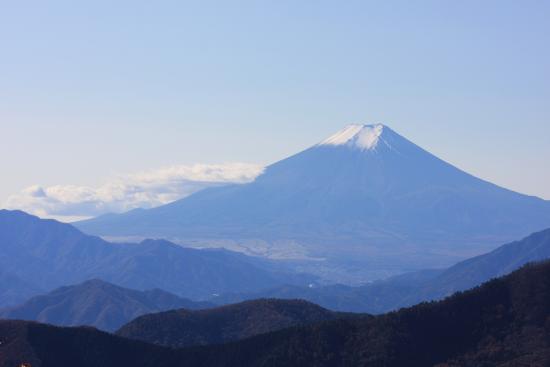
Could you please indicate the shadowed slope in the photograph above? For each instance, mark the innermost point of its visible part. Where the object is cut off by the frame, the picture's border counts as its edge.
(49, 254)
(502, 323)
(96, 303)
(14, 290)
(181, 328)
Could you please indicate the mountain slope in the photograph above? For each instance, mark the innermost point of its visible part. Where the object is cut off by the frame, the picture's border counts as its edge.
(365, 194)
(374, 298)
(50, 346)
(96, 303)
(49, 254)
(14, 290)
(502, 323)
(182, 328)
(411, 288)
(503, 260)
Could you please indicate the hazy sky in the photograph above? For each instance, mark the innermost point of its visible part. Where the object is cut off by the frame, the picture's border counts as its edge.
(94, 89)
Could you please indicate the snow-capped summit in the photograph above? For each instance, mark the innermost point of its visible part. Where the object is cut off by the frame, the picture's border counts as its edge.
(363, 137)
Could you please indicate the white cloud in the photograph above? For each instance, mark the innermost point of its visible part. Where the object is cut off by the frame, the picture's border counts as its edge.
(139, 190)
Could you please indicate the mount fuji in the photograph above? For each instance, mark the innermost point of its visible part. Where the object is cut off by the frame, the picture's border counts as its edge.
(365, 198)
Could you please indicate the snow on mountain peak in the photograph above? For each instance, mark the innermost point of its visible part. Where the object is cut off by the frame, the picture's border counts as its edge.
(363, 137)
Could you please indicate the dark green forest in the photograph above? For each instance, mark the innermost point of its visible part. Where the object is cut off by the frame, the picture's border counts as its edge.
(504, 322)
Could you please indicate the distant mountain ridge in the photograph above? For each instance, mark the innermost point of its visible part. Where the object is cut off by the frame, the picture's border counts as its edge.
(365, 196)
(96, 303)
(412, 288)
(183, 328)
(47, 254)
(503, 323)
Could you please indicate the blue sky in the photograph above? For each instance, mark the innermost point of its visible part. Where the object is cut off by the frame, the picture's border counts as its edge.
(91, 90)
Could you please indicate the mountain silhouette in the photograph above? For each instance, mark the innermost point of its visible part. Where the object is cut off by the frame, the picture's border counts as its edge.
(502, 323)
(96, 303)
(47, 254)
(182, 328)
(365, 198)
